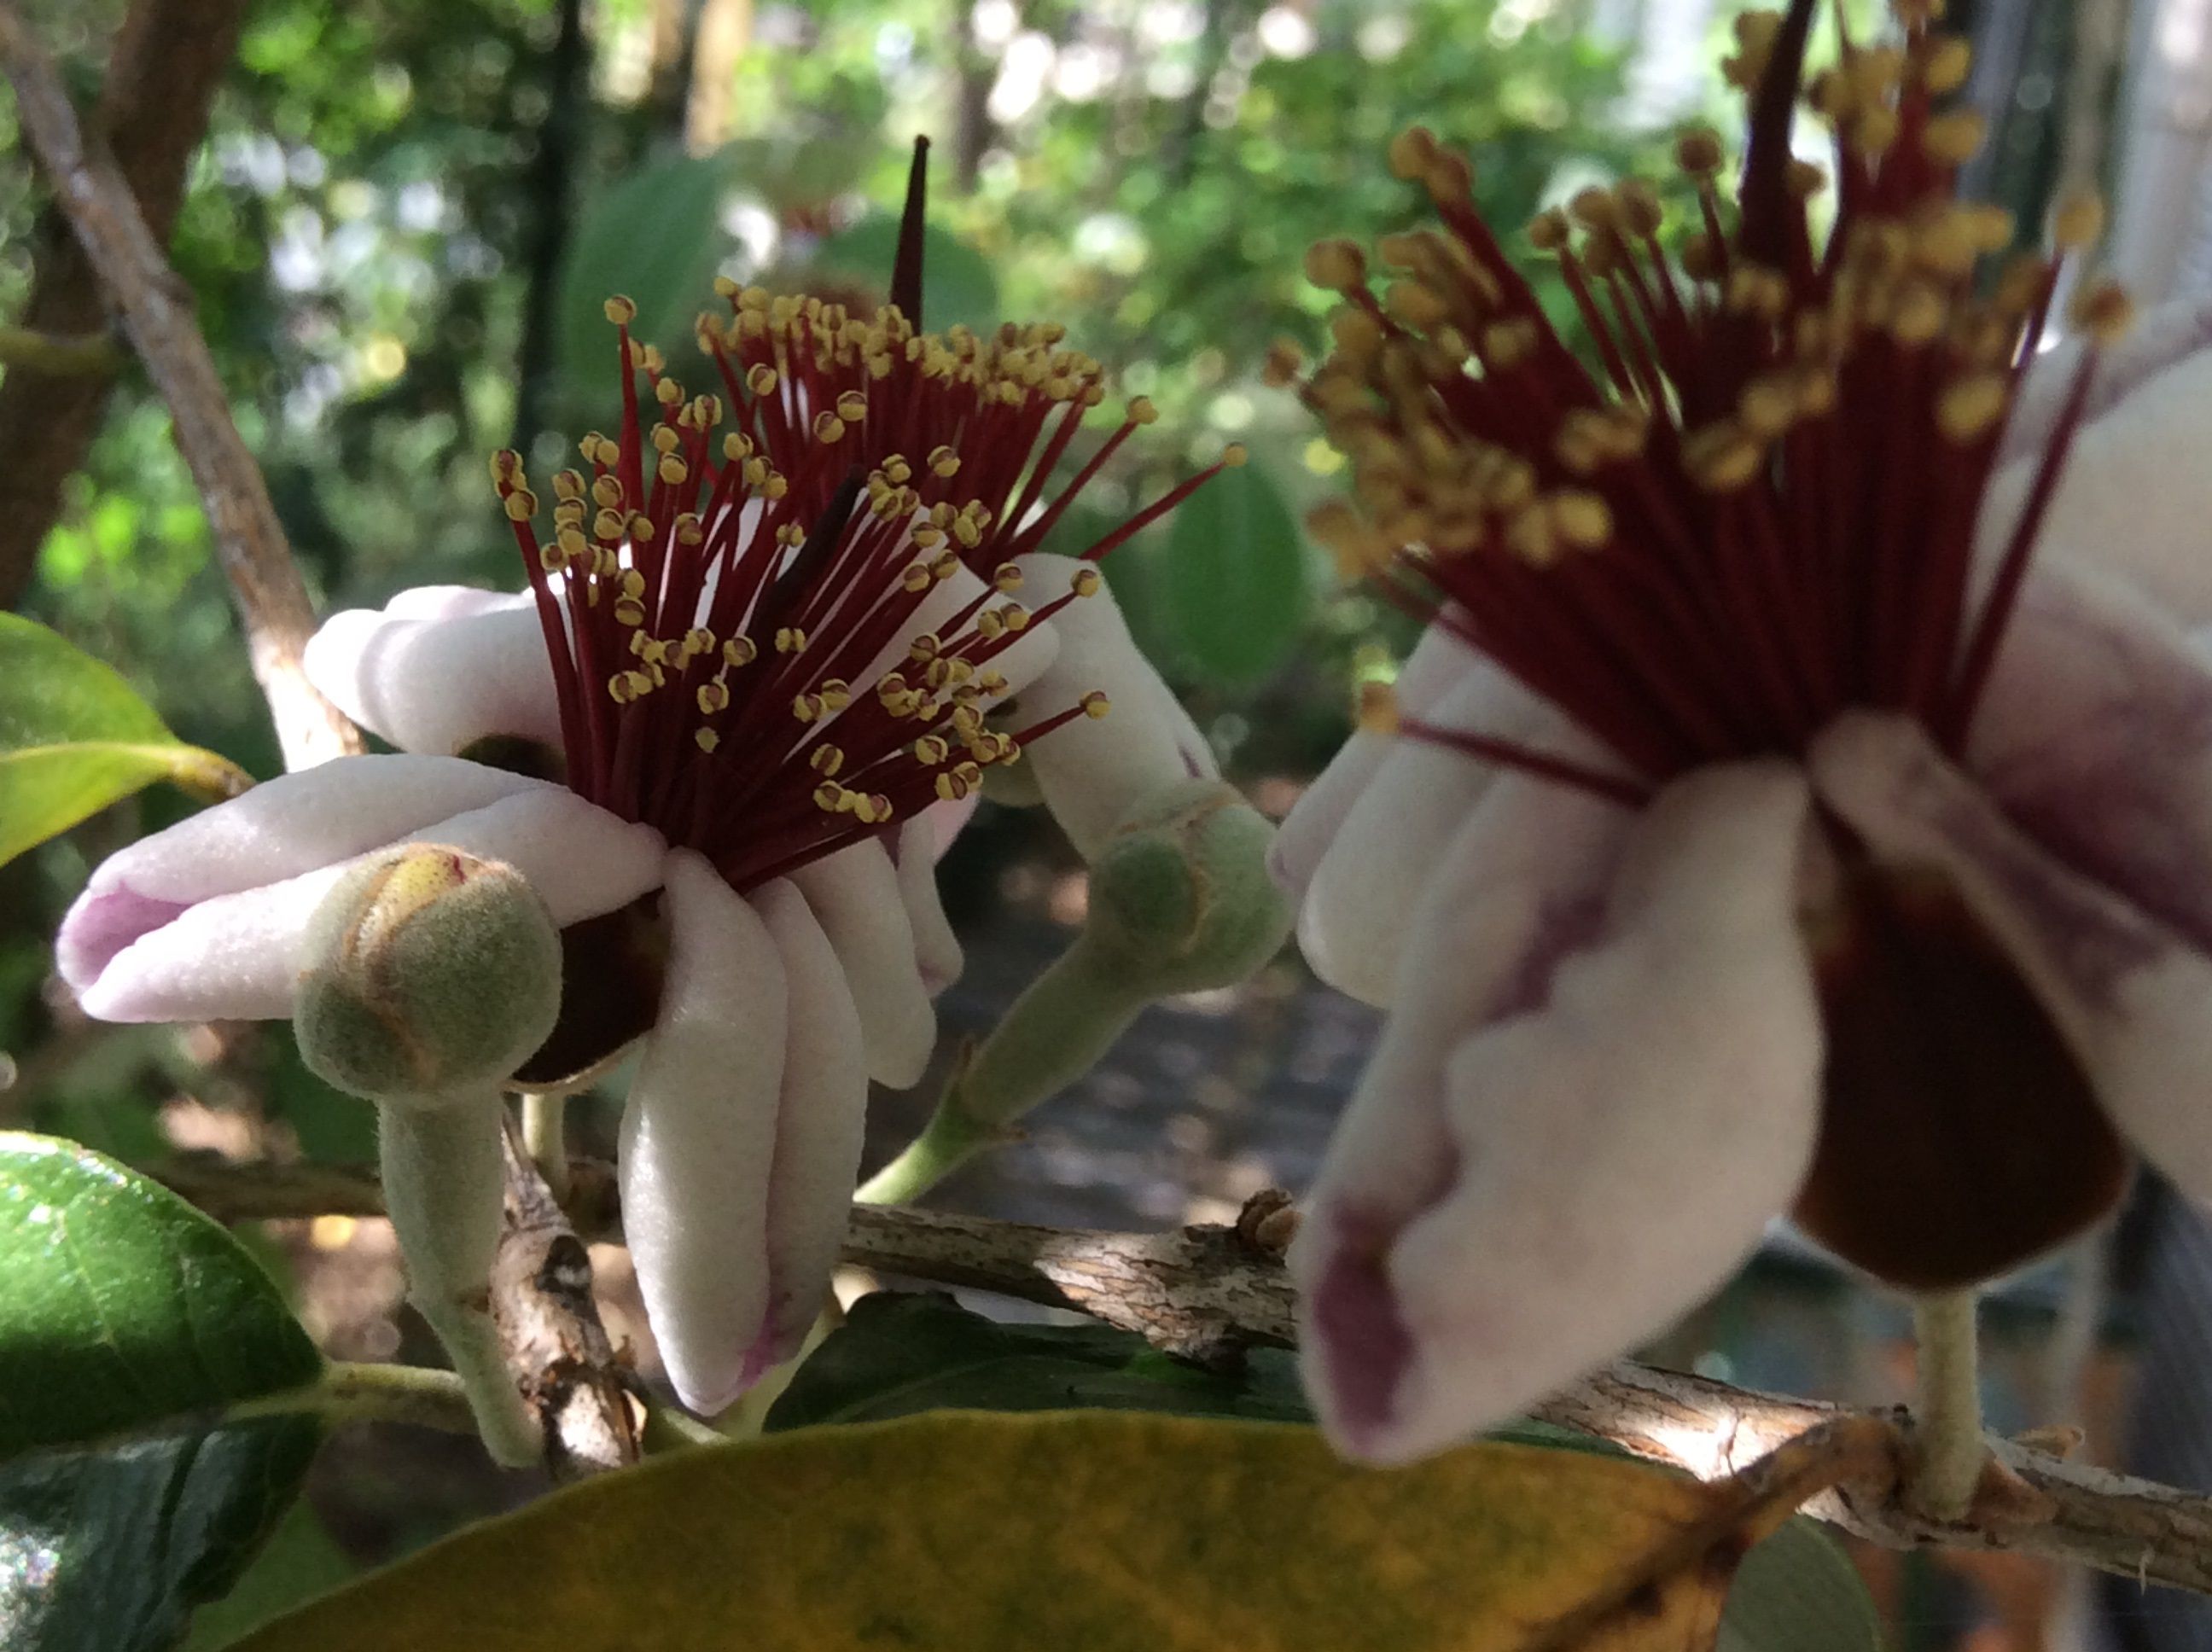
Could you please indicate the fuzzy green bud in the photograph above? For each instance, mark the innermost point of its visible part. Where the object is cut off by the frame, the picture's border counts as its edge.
(1180, 896)
(431, 971)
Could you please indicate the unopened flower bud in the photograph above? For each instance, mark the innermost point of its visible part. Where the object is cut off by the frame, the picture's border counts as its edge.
(432, 971)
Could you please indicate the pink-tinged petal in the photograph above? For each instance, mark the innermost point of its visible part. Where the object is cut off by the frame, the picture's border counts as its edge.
(2131, 998)
(293, 824)
(2161, 338)
(1095, 770)
(2135, 494)
(238, 956)
(2095, 738)
(819, 1128)
(1360, 901)
(1602, 1152)
(1520, 886)
(1438, 661)
(699, 1136)
(433, 685)
(855, 898)
(937, 954)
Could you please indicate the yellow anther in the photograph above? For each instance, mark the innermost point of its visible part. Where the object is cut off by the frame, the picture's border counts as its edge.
(1412, 152)
(1948, 59)
(916, 578)
(852, 407)
(1698, 152)
(2078, 221)
(552, 558)
(761, 378)
(1548, 230)
(620, 310)
(790, 640)
(520, 505)
(672, 470)
(628, 612)
(924, 647)
(2103, 311)
(829, 797)
(1335, 264)
(1952, 138)
(1379, 709)
(1234, 456)
(706, 738)
(1141, 411)
(1015, 617)
(739, 650)
(1970, 407)
(1095, 705)
(713, 697)
(950, 788)
(827, 426)
(943, 462)
(1086, 582)
(932, 749)
(1582, 519)
(668, 392)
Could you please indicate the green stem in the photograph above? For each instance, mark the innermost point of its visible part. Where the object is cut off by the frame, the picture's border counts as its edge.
(546, 1138)
(351, 1393)
(1054, 1033)
(1947, 1413)
(668, 1428)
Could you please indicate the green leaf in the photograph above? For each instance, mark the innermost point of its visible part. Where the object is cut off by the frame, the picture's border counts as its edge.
(957, 284)
(655, 236)
(110, 1550)
(900, 1352)
(299, 1562)
(1797, 1592)
(124, 1307)
(75, 737)
(1235, 576)
(128, 1320)
(1107, 1531)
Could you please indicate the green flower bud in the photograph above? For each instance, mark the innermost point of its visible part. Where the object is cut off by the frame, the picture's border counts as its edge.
(431, 971)
(1180, 896)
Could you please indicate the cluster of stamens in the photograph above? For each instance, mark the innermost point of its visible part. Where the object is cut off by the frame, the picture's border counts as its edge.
(732, 593)
(1761, 508)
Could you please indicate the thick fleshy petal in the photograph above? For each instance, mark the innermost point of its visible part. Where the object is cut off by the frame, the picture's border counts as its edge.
(238, 956)
(435, 685)
(1360, 903)
(1438, 661)
(921, 842)
(1604, 1147)
(2095, 738)
(699, 1136)
(819, 1128)
(2136, 493)
(1093, 771)
(2131, 998)
(855, 896)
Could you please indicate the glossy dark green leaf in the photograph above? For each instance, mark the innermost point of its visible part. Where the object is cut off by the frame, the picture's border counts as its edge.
(124, 1307)
(957, 285)
(110, 1550)
(899, 1353)
(75, 737)
(656, 236)
(1235, 576)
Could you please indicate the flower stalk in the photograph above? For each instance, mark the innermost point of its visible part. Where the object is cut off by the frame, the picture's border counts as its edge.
(1947, 1411)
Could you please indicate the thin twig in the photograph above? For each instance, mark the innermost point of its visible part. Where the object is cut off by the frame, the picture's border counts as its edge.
(1208, 1291)
(550, 1329)
(156, 312)
(162, 71)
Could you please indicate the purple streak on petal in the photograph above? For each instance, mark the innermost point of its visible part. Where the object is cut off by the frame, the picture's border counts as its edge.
(1356, 1314)
(99, 928)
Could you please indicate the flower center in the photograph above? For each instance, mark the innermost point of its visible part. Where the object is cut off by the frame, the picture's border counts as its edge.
(773, 632)
(1760, 509)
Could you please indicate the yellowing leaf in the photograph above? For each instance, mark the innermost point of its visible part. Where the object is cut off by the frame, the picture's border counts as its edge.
(1080, 1532)
(75, 737)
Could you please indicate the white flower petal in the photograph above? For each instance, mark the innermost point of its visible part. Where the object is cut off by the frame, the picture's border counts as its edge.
(819, 1128)
(2161, 338)
(2132, 999)
(1603, 1152)
(855, 898)
(443, 602)
(238, 956)
(2095, 738)
(433, 685)
(1095, 770)
(699, 1135)
(1437, 663)
(1360, 901)
(937, 953)
(2136, 493)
